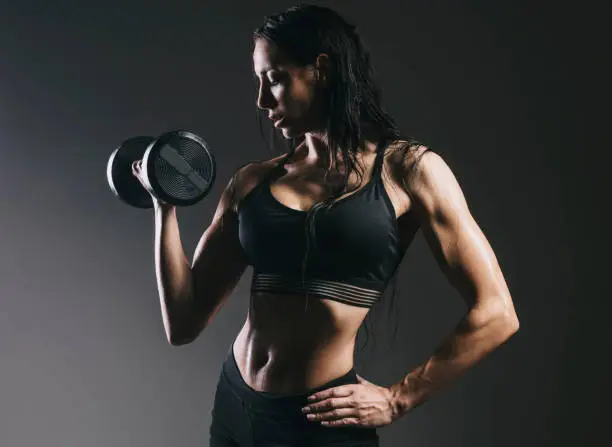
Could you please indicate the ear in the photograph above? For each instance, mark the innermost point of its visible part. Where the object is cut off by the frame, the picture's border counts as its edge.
(322, 69)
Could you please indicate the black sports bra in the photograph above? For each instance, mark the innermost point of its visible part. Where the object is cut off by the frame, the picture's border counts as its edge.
(355, 251)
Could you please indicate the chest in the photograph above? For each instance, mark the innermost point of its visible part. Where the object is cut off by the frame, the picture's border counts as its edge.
(300, 189)
(356, 228)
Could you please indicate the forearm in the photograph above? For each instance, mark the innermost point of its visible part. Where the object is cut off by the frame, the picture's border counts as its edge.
(477, 334)
(173, 272)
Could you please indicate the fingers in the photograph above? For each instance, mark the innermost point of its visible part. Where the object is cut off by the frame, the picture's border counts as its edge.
(136, 164)
(339, 391)
(331, 409)
(332, 415)
(346, 422)
(137, 171)
(339, 402)
(328, 401)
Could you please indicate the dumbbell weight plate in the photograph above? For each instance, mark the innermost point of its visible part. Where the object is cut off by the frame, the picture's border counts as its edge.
(119, 174)
(179, 168)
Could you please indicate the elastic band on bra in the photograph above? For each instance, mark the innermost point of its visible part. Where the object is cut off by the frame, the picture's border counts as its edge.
(334, 290)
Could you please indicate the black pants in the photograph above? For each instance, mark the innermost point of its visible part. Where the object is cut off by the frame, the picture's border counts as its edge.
(243, 417)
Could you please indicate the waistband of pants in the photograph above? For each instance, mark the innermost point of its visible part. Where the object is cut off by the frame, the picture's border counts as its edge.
(267, 399)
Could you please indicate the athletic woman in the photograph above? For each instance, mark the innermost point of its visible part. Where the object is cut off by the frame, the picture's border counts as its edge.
(324, 227)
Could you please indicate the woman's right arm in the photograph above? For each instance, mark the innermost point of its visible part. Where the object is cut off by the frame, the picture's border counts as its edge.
(191, 295)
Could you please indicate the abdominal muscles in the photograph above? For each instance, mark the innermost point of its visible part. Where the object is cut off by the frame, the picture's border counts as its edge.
(291, 343)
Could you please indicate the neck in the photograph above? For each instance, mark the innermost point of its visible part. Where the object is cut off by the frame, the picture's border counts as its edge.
(317, 150)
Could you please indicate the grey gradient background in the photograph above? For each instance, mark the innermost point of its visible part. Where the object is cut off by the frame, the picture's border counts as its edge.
(513, 94)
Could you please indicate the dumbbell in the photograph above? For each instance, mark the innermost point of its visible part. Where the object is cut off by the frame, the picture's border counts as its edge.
(178, 167)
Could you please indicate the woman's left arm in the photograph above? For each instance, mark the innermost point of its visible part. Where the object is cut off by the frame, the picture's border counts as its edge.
(467, 260)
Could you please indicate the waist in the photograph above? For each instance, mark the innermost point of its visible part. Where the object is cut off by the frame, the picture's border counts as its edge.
(354, 291)
(282, 369)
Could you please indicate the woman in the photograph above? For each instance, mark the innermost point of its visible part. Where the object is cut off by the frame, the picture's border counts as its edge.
(324, 227)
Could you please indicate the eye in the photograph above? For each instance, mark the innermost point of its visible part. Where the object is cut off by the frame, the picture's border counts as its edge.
(275, 78)
(272, 80)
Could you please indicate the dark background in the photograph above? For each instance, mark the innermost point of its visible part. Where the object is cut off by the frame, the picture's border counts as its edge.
(513, 94)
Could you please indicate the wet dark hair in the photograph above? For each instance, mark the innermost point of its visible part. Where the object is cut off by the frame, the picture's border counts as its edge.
(354, 108)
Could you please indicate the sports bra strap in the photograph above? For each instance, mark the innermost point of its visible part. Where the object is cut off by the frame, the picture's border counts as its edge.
(380, 155)
(274, 172)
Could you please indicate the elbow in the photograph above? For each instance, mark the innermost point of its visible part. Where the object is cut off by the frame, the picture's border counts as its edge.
(180, 335)
(498, 313)
(185, 327)
(179, 340)
(511, 326)
(510, 317)
(179, 325)
(514, 325)
(509, 321)
(183, 334)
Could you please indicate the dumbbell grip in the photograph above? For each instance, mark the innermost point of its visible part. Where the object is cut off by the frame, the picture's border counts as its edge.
(174, 159)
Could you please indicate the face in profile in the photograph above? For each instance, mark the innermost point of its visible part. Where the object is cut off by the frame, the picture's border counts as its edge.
(288, 93)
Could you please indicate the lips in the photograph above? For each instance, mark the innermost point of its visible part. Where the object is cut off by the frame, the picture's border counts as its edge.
(278, 121)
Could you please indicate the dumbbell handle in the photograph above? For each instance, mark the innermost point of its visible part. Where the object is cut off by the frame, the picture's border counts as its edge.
(174, 159)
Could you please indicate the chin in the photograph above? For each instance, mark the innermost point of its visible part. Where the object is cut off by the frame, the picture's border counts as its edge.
(289, 133)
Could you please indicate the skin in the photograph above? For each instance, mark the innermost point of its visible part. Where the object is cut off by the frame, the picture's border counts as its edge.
(303, 350)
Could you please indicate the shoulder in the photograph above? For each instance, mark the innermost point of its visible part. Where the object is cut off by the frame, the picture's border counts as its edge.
(255, 169)
(405, 154)
(433, 187)
(403, 158)
(249, 175)
(424, 174)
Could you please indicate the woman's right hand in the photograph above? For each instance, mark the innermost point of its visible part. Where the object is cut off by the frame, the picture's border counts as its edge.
(137, 171)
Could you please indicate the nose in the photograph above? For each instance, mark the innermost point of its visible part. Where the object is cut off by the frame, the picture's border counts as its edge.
(265, 99)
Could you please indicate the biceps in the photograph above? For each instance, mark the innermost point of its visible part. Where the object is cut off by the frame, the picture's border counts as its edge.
(218, 264)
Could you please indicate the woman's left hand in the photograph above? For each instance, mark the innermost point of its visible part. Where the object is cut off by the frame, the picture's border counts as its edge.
(363, 404)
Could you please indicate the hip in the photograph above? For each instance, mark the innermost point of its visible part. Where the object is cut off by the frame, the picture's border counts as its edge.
(249, 416)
